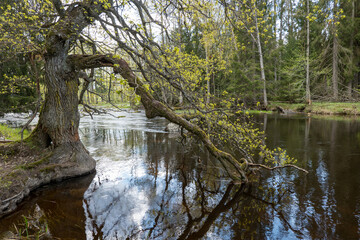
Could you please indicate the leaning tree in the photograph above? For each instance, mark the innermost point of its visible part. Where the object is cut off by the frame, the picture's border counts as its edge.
(53, 32)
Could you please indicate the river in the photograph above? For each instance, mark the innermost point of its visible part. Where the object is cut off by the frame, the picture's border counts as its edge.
(148, 185)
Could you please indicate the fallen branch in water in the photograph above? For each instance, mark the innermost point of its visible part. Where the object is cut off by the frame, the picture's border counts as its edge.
(277, 167)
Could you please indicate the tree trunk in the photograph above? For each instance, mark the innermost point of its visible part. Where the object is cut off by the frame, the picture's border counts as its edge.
(335, 68)
(207, 76)
(59, 117)
(262, 70)
(276, 44)
(335, 59)
(290, 18)
(281, 36)
(308, 96)
(350, 81)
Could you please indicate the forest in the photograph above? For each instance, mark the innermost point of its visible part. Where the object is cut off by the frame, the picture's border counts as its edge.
(255, 51)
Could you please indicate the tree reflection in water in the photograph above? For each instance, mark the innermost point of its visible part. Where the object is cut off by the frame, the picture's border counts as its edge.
(175, 193)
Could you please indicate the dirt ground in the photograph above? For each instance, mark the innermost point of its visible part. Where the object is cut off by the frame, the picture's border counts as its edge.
(19, 163)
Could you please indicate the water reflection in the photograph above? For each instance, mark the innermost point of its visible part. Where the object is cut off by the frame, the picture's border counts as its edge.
(61, 205)
(327, 198)
(150, 186)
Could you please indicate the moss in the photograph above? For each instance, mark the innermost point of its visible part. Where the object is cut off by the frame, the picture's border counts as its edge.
(5, 183)
(30, 143)
(9, 152)
(36, 163)
(288, 106)
(336, 108)
(33, 142)
(15, 173)
(49, 168)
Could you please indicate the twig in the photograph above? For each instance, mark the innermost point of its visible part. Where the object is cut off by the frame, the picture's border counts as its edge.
(31, 118)
(277, 167)
(38, 102)
(10, 198)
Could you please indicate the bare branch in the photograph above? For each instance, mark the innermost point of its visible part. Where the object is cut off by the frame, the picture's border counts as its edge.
(277, 167)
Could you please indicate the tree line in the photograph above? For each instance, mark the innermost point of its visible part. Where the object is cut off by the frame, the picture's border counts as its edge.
(256, 51)
(281, 50)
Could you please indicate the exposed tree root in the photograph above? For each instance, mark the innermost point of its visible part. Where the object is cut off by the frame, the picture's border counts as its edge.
(25, 167)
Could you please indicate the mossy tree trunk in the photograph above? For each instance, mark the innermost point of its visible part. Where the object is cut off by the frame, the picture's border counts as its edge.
(59, 117)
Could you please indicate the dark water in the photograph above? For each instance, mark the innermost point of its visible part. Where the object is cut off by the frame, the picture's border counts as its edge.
(150, 186)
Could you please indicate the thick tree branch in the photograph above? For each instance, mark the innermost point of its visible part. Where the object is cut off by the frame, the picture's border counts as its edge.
(59, 7)
(155, 108)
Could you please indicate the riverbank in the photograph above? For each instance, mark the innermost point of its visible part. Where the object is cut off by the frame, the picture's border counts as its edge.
(25, 167)
(318, 108)
(12, 134)
(323, 108)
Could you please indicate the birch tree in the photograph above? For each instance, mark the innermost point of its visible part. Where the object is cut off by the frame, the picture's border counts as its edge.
(247, 15)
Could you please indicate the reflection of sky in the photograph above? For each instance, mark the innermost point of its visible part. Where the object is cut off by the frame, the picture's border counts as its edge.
(123, 198)
(300, 213)
(322, 202)
(357, 215)
(114, 203)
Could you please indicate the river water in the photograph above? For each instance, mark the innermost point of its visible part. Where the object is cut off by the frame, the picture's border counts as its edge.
(148, 185)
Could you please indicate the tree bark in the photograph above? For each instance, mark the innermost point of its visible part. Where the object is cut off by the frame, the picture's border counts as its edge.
(276, 45)
(290, 20)
(308, 96)
(350, 81)
(335, 59)
(59, 117)
(262, 70)
(207, 76)
(281, 37)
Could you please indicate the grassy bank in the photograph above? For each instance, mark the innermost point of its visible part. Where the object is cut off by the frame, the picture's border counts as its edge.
(11, 133)
(323, 108)
(326, 108)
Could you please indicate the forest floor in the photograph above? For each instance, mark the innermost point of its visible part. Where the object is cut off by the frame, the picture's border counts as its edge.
(323, 108)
